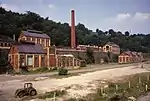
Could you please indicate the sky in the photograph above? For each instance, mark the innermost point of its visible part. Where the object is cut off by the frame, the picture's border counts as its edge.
(120, 15)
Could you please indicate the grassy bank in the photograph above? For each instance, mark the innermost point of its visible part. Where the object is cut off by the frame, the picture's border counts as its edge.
(131, 86)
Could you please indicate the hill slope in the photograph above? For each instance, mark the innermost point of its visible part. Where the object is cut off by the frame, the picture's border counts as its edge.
(12, 23)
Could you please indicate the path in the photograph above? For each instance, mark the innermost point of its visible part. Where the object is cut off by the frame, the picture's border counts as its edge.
(89, 68)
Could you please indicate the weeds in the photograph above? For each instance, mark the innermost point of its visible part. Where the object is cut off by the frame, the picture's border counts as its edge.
(57, 93)
(124, 90)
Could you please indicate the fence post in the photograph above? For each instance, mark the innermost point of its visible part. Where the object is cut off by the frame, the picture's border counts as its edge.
(146, 87)
(54, 98)
(101, 90)
(129, 84)
(147, 77)
(116, 87)
(139, 80)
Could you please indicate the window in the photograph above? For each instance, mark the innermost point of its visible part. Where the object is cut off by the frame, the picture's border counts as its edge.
(42, 60)
(5, 45)
(30, 60)
(28, 39)
(47, 42)
(22, 60)
(23, 38)
(107, 48)
(120, 59)
(33, 39)
(52, 50)
(38, 41)
(43, 43)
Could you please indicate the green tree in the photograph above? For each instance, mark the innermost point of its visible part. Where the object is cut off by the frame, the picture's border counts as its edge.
(90, 56)
(127, 33)
(12, 23)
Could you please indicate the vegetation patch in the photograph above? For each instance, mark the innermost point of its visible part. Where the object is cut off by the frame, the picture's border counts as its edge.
(36, 71)
(83, 63)
(132, 86)
(62, 71)
(56, 93)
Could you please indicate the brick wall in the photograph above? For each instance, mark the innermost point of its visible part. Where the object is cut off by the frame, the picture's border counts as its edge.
(66, 61)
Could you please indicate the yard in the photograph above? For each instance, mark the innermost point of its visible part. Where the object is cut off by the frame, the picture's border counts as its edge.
(75, 85)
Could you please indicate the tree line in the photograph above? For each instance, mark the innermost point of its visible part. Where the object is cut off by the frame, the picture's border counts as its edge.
(12, 23)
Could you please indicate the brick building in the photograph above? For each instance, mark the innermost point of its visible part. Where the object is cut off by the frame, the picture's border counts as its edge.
(35, 36)
(67, 60)
(111, 47)
(34, 51)
(94, 48)
(130, 57)
(5, 45)
(6, 42)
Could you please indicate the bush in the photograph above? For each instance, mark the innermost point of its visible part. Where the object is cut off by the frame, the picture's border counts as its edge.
(115, 58)
(106, 59)
(62, 71)
(83, 63)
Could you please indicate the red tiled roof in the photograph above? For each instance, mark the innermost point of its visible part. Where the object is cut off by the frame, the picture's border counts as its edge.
(30, 48)
(128, 53)
(35, 34)
(133, 54)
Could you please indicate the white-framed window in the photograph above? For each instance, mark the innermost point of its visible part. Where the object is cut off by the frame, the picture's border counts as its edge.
(29, 60)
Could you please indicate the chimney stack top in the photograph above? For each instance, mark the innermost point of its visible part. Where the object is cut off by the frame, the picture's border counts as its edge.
(72, 10)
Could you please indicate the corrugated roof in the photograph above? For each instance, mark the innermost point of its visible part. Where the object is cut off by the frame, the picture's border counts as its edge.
(34, 34)
(30, 48)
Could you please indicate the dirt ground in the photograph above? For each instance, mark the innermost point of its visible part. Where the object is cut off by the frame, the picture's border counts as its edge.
(78, 85)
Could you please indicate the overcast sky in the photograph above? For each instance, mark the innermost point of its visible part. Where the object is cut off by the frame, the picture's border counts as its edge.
(121, 15)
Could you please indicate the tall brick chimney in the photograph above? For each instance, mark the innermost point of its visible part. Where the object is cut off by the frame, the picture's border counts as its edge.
(73, 35)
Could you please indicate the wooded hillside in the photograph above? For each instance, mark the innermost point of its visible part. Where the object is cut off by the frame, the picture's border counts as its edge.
(12, 23)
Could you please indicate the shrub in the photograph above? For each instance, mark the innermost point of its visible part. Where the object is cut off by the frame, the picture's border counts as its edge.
(106, 59)
(115, 58)
(83, 63)
(62, 71)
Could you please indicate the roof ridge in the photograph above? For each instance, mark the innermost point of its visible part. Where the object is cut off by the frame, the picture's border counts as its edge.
(34, 34)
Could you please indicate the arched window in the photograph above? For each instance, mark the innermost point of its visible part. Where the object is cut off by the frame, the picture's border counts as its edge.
(107, 48)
